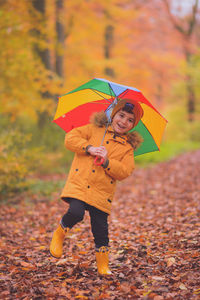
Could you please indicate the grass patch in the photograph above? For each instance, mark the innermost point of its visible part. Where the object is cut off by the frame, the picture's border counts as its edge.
(46, 187)
(168, 151)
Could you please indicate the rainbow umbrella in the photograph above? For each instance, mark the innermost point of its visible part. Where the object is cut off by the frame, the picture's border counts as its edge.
(75, 108)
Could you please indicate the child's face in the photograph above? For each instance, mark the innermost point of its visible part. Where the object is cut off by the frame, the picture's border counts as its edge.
(122, 122)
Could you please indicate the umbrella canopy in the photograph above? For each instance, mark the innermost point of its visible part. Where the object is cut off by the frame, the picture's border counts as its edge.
(75, 108)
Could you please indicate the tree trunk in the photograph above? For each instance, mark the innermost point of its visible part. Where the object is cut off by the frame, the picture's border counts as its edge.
(44, 54)
(159, 94)
(191, 99)
(108, 38)
(186, 31)
(60, 39)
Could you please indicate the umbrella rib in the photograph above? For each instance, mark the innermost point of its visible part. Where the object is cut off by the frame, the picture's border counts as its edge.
(111, 89)
(93, 102)
(101, 95)
(125, 92)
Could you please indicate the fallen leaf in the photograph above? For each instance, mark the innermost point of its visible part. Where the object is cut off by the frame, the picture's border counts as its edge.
(158, 278)
(182, 287)
(170, 261)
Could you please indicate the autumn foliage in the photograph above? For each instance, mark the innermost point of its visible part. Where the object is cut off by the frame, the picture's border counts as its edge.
(134, 43)
(154, 239)
(49, 47)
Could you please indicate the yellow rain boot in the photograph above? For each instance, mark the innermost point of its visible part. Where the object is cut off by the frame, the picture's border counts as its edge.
(103, 260)
(56, 246)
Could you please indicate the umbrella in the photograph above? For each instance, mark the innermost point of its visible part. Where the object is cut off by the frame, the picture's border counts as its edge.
(75, 108)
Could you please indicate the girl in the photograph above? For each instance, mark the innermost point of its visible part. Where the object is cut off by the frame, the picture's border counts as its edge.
(90, 186)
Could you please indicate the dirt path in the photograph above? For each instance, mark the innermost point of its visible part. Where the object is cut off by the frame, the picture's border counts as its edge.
(154, 239)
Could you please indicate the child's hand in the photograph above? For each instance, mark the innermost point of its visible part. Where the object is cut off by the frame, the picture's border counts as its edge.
(98, 151)
(102, 152)
(92, 150)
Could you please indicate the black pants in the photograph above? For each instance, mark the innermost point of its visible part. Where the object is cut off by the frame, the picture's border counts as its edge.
(98, 219)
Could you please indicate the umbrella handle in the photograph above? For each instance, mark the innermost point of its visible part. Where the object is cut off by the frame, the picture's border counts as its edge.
(98, 161)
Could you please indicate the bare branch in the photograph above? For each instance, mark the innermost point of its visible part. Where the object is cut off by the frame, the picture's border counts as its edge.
(173, 20)
(192, 22)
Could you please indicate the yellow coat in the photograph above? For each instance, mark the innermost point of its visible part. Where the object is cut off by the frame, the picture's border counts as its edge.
(90, 183)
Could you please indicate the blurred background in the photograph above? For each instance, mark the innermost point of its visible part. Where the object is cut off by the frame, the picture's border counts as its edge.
(49, 47)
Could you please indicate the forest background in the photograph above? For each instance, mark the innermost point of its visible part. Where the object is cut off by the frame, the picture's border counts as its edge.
(49, 47)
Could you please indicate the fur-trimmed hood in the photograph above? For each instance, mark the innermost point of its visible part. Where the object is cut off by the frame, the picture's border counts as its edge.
(99, 119)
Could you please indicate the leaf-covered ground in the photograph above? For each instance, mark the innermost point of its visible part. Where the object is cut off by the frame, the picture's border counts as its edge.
(154, 239)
